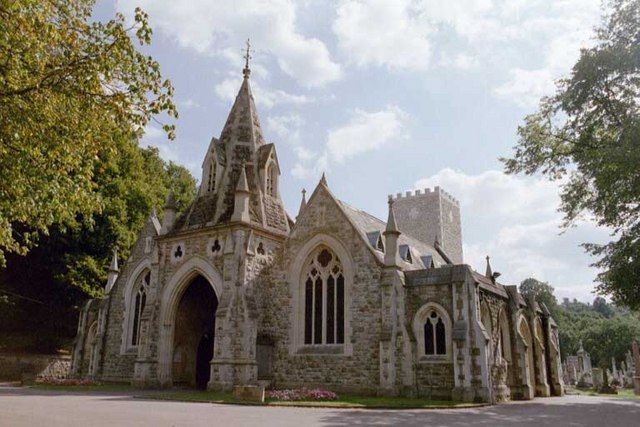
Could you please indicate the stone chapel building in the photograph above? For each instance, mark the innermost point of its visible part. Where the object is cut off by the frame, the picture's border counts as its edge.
(236, 292)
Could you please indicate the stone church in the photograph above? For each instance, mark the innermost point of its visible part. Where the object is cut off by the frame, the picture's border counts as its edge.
(234, 291)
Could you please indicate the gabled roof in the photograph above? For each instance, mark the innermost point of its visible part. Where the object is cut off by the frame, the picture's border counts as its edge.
(264, 152)
(240, 148)
(366, 223)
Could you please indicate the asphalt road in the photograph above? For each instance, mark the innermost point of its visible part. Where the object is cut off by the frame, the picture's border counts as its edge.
(26, 407)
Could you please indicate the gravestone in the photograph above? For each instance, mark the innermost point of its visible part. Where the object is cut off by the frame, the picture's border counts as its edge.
(597, 376)
(636, 363)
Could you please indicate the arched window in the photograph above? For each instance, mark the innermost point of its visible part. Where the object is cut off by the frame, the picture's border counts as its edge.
(138, 307)
(432, 328)
(435, 342)
(211, 183)
(272, 180)
(324, 290)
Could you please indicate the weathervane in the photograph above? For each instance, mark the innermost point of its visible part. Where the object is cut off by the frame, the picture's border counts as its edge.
(247, 56)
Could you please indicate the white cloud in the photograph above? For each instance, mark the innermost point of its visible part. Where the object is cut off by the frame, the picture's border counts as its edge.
(534, 41)
(525, 87)
(494, 192)
(286, 127)
(227, 90)
(382, 32)
(366, 132)
(188, 104)
(514, 219)
(363, 132)
(221, 27)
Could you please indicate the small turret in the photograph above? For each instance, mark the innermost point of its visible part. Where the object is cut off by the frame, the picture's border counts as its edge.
(391, 235)
(112, 274)
(241, 200)
(169, 213)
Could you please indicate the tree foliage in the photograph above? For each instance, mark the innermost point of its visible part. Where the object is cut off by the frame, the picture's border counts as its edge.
(45, 288)
(587, 136)
(541, 291)
(70, 90)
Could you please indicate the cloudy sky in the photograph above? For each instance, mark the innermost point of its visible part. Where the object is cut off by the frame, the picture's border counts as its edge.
(387, 96)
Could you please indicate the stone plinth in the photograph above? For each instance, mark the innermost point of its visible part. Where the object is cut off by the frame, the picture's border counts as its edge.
(250, 393)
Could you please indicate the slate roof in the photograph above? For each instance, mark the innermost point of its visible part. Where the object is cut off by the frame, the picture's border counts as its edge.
(367, 224)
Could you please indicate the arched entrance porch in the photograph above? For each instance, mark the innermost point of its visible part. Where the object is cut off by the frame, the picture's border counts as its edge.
(194, 334)
(195, 286)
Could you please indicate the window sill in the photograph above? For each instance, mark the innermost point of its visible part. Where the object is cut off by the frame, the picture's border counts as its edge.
(434, 359)
(321, 350)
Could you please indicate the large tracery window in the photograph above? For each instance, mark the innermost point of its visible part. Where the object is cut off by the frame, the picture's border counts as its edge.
(435, 342)
(324, 298)
(138, 307)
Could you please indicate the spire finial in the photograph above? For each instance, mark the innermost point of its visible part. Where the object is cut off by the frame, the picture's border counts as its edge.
(303, 202)
(488, 272)
(392, 226)
(247, 57)
(323, 179)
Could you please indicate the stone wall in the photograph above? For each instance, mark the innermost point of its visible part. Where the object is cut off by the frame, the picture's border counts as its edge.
(434, 379)
(17, 367)
(429, 215)
(355, 365)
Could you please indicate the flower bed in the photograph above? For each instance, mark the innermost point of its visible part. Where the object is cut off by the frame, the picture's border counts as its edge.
(301, 394)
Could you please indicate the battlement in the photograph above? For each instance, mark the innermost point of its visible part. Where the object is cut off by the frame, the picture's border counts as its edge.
(431, 215)
(427, 192)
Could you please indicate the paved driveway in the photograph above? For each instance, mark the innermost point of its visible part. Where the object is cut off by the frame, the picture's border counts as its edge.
(24, 407)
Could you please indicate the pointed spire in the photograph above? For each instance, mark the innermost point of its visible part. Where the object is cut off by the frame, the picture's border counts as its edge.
(323, 180)
(114, 261)
(170, 202)
(169, 216)
(391, 235)
(112, 274)
(488, 272)
(392, 226)
(241, 199)
(303, 202)
(242, 185)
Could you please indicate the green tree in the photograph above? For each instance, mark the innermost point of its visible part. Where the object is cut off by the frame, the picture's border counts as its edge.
(587, 136)
(601, 306)
(45, 287)
(541, 291)
(70, 90)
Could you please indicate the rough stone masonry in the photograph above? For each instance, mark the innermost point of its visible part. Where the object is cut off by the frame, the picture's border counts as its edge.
(234, 292)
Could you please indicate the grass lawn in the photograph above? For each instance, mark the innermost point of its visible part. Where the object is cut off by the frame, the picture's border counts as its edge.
(344, 401)
(81, 388)
(624, 393)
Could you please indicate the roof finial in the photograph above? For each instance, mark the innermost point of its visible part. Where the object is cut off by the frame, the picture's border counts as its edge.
(488, 272)
(323, 179)
(247, 56)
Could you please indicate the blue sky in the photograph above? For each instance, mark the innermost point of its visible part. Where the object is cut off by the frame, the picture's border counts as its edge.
(387, 96)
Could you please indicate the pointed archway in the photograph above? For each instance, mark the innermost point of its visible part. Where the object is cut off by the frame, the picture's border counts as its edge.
(194, 334)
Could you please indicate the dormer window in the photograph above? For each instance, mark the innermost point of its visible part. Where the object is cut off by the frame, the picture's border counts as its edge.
(211, 182)
(272, 180)
(405, 253)
(375, 240)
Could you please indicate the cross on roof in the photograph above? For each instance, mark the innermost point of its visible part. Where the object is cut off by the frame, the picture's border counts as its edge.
(247, 56)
